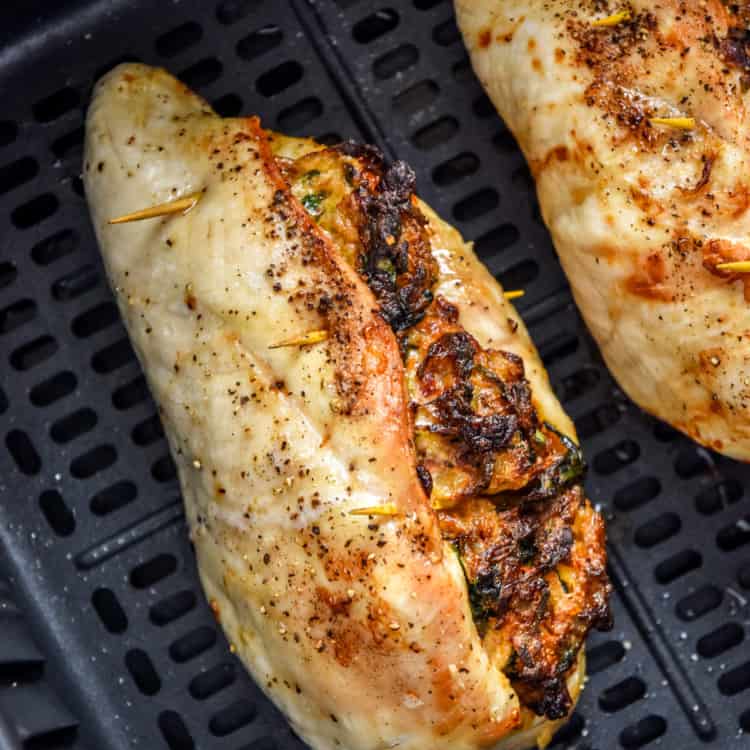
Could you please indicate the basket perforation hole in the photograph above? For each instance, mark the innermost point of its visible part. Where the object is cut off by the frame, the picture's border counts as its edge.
(53, 389)
(621, 695)
(202, 73)
(743, 576)
(462, 71)
(477, 204)
(148, 431)
(34, 353)
(505, 142)
(15, 315)
(233, 717)
(483, 107)
(446, 33)
(55, 247)
(267, 743)
(657, 530)
(643, 733)
(93, 461)
(329, 139)
(677, 566)
(436, 133)
(569, 733)
(736, 680)
(231, 11)
(20, 672)
(279, 78)
(714, 499)
(57, 514)
(34, 211)
(59, 738)
(617, 457)
(598, 420)
(8, 132)
(113, 357)
(699, 603)
(519, 276)
(173, 608)
(73, 425)
(377, 24)
(76, 283)
(735, 535)
(174, 731)
(664, 433)
(293, 118)
(494, 242)
(637, 493)
(604, 656)
(17, 172)
(555, 349)
(8, 274)
(163, 469)
(179, 39)
(720, 640)
(114, 497)
(131, 394)
(3, 402)
(23, 452)
(427, 4)
(416, 98)
(259, 42)
(745, 721)
(212, 681)
(192, 644)
(95, 320)
(456, 169)
(396, 61)
(152, 571)
(142, 671)
(107, 606)
(579, 383)
(229, 105)
(56, 105)
(692, 462)
(76, 183)
(69, 145)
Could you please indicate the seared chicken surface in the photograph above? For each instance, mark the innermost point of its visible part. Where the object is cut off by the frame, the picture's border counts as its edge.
(384, 496)
(632, 117)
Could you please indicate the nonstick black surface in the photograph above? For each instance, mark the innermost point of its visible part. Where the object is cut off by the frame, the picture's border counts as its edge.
(106, 641)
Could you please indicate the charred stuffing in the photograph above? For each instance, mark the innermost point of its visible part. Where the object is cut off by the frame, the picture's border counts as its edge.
(506, 485)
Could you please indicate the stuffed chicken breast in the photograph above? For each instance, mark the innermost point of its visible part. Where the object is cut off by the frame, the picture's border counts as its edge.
(384, 495)
(633, 119)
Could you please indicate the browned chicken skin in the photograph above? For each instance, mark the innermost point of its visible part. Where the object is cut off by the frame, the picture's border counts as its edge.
(633, 119)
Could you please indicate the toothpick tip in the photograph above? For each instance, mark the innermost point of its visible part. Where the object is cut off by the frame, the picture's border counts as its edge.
(177, 206)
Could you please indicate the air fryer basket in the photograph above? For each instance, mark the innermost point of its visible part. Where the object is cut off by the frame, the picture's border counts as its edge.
(106, 641)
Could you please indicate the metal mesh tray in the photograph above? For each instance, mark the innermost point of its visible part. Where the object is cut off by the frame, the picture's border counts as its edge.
(105, 638)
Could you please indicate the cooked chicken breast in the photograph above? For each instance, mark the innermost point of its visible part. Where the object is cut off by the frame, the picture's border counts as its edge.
(384, 495)
(632, 117)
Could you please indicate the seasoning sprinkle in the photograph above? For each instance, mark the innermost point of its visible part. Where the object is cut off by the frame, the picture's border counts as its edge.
(306, 339)
(179, 206)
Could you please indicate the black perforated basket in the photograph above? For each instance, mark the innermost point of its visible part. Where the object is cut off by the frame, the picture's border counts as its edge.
(106, 641)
